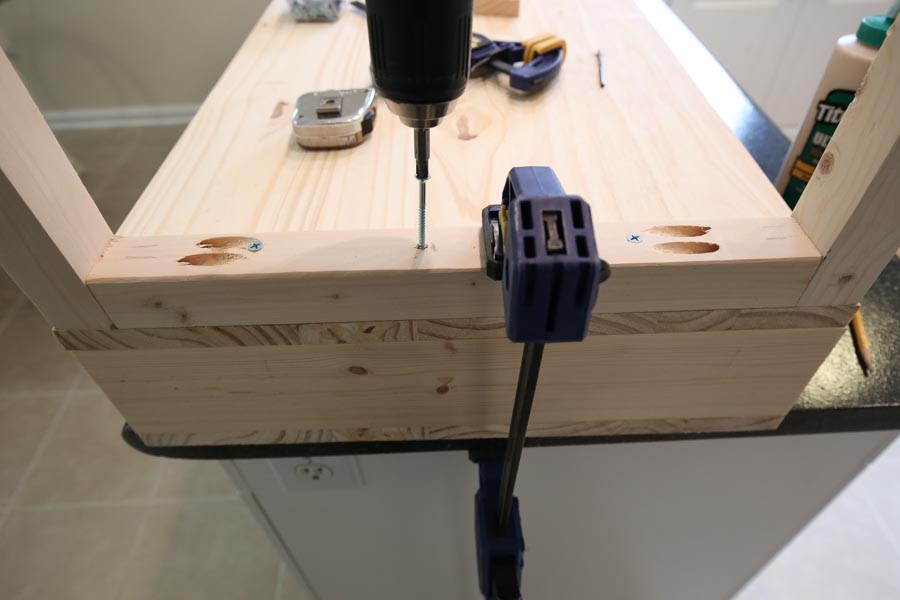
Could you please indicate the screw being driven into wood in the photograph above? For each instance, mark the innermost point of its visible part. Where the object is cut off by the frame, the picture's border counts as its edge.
(422, 148)
(422, 244)
(255, 246)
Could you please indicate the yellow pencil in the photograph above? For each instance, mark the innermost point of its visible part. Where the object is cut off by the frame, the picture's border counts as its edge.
(861, 342)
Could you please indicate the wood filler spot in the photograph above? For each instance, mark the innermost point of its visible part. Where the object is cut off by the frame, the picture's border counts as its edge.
(826, 164)
(462, 129)
(279, 109)
(358, 370)
(210, 260)
(679, 230)
(686, 247)
(225, 243)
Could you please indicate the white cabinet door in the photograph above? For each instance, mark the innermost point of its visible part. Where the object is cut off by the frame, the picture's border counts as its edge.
(775, 49)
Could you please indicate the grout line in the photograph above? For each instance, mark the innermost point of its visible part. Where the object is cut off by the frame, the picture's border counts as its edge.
(133, 502)
(157, 482)
(132, 552)
(129, 556)
(12, 312)
(279, 580)
(39, 451)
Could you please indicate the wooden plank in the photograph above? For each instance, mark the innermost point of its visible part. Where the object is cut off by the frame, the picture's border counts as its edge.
(503, 8)
(51, 232)
(718, 374)
(851, 206)
(654, 322)
(378, 275)
(307, 334)
(379, 332)
(583, 429)
(648, 146)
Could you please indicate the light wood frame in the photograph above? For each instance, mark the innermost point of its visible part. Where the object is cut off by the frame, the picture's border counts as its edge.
(126, 305)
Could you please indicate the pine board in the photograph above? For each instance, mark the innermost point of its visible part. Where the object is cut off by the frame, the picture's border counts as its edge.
(648, 146)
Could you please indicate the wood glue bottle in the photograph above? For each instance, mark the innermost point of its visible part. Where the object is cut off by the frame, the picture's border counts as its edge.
(845, 72)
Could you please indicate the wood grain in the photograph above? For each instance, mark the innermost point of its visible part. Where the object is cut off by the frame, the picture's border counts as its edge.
(583, 429)
(655, 322)
(310, 334)
(851, 207)
(648, 146)
(503, 8)
(377, 275)
(51, 232)
(379, 332)
(718, 374)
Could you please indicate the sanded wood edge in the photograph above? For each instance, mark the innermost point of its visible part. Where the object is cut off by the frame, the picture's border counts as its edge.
(406, 434)
(51, 232)
(376, 332)
(502, 8)
(851, 207)
(314, 277)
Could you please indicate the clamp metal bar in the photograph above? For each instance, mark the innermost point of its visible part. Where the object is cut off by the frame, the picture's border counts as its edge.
(518, 426)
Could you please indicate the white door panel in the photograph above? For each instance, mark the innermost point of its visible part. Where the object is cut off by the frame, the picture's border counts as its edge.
(775, 49)
(797, 75)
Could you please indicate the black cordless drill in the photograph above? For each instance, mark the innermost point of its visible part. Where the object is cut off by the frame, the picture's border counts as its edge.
(420, 63)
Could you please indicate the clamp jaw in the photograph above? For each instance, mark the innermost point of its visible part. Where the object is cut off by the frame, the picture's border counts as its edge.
(540, 243)
(531, 64)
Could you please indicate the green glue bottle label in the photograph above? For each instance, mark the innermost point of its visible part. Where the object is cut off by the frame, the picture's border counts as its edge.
(828, 114)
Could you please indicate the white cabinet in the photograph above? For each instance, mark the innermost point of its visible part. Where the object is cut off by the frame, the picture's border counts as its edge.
(775, 49)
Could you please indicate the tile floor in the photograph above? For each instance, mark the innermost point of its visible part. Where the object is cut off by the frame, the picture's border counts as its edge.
(84, 516)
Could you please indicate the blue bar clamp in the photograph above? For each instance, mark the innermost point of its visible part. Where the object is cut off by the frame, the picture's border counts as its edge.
(540, 243)
(531, 65)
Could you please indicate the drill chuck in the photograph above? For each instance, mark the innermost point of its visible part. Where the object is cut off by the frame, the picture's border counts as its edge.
(420, 55)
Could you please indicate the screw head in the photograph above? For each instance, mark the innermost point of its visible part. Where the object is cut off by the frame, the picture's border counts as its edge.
(255, 246)
(634, 238)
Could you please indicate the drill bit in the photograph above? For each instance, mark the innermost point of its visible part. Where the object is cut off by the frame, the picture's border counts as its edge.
(422, 151)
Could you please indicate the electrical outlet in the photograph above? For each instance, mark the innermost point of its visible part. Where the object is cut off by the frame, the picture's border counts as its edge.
(317, 474)
(313, 471)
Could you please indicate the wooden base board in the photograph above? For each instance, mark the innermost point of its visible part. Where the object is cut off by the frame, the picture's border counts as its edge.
(459, 383)
(583, 429)
(375, 332)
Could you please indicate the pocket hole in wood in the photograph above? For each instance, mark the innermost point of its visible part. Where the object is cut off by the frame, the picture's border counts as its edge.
(210, 260)
(686, 247)
(679, 230)
(224, 243)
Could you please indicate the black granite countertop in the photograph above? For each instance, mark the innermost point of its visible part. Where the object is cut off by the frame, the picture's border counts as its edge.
(839, 398)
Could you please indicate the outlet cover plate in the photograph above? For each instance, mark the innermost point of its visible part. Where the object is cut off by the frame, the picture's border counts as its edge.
(318, 474)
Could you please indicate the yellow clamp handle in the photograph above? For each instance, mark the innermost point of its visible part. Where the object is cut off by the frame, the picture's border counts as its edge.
(542, 44)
